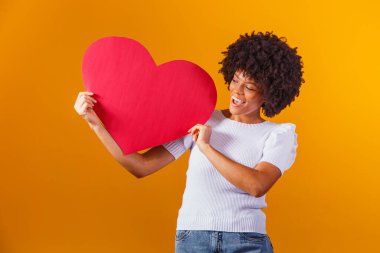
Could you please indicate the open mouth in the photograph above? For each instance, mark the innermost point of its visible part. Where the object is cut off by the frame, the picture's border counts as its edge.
(237, 102)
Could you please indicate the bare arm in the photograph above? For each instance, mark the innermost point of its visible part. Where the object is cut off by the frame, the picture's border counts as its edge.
(256, 181)
(139, 165)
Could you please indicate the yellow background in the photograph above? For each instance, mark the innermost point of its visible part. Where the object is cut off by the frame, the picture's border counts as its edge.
(61, 191)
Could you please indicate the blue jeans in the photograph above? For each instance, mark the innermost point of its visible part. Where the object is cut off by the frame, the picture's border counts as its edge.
(206, 241)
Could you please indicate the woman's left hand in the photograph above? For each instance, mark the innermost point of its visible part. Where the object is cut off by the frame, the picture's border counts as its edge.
(201, 135)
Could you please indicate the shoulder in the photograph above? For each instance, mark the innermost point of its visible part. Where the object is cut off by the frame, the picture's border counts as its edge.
(283, 133)
(280, 147)
(215, 117)
(284, 127)
(215, 113)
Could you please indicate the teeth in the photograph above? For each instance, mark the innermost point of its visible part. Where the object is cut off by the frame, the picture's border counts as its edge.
(236, 99)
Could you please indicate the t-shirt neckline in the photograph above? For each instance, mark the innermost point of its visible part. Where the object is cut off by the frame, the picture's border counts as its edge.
(237, 123)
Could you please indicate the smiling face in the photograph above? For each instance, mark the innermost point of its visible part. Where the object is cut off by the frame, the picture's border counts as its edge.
(248, 98)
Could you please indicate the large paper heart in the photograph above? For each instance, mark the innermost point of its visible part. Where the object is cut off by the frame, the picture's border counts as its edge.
(143, 105)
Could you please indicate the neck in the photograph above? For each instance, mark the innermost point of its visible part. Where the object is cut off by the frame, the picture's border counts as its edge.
(244, 118)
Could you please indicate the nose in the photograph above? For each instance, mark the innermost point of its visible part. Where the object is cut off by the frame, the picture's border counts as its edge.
(237, 88)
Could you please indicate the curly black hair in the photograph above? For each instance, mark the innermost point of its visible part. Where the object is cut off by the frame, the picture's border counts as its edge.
(275, 68)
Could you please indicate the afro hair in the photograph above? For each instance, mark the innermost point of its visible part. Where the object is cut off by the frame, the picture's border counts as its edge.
(275, 68)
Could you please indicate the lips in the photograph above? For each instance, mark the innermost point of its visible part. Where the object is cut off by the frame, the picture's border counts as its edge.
(234, 104)
(239, 101)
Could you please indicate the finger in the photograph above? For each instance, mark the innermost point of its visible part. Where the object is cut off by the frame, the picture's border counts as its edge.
(83, 93)
(196, 126)
(85, 106)
(82, 109)
(192, 129)
(86, 92)
(88, 101)
(88, 96)
(92, 99)
(195, 131)
(194, 137)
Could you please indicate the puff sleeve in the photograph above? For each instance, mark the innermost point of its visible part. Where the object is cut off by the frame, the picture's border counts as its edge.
(280, 147)
(179, 146)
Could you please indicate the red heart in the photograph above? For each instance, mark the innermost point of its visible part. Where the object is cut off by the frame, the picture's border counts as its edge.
(143, 105)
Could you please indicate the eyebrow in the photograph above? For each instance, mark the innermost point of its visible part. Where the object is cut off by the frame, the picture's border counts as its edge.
(246, 82)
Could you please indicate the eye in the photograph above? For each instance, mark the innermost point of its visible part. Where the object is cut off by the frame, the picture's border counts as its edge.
(235, 81)
(249, 88)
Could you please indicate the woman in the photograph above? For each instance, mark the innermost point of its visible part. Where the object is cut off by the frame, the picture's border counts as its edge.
(236, 156)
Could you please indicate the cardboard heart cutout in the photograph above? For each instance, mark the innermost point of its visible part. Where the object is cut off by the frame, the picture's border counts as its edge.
(143, 105)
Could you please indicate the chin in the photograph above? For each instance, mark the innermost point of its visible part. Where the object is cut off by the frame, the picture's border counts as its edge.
(234, 110)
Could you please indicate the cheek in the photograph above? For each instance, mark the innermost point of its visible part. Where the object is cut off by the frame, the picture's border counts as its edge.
(254, 101)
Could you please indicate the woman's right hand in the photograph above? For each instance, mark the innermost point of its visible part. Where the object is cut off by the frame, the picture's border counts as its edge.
(83, 106)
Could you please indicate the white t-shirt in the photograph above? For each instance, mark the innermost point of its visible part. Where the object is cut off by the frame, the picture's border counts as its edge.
(210, 202)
